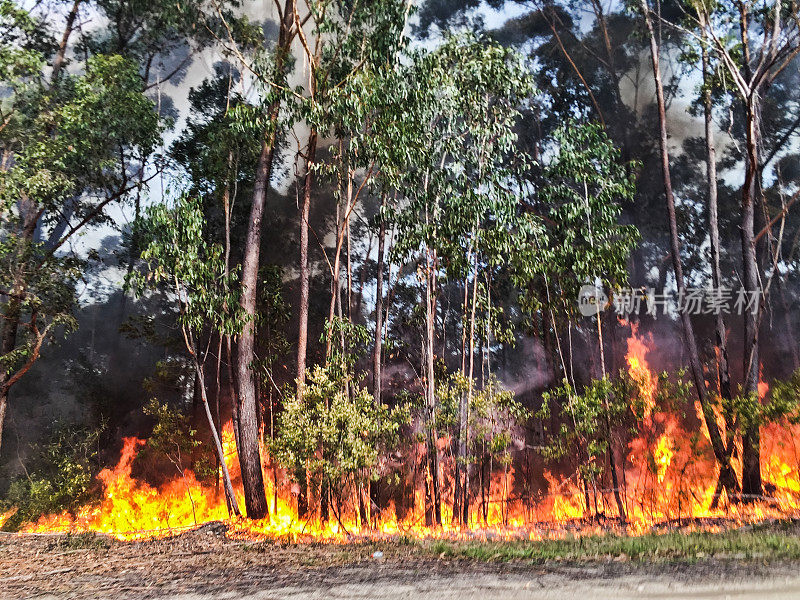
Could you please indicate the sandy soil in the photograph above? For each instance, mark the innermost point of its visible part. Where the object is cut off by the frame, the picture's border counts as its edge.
(205, 565)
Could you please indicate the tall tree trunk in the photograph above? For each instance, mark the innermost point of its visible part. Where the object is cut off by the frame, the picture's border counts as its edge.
(717, 443)
(721, 341)
(434, 510)
(751, 459)
(713, 228)
(247, 404)
(751, 455)
(374, 486)
(376, 354)
(249, 450)
(612, 463)
(464, 416)
(302, 336)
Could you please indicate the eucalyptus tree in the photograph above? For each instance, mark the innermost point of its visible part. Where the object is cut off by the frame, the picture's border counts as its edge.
(580, 197)
(346, 39)
(359, 113)
(78, 136)
(219, 155)
(754, 44)
(193, 271)
(270, 70)
(727, 475)
(456, 183)
(726, 33)
(67, 141)
(336, 41)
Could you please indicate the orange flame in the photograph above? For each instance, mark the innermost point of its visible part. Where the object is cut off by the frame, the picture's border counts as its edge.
(639, 369)
(667, 472)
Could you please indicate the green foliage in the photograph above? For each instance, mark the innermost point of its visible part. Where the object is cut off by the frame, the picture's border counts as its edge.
(217, 149)
(45, 291)
(61, 476)
(20, 42)
(784, 400)
(494, 414)
(457, 167)
(584, 187)
(172, 437)
(584, 420)
(179, 257)
(334, 435)
(781, 404)
(67, 143)
(350, 342)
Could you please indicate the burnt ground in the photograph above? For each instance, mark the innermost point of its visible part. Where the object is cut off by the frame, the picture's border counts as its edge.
(205, 564)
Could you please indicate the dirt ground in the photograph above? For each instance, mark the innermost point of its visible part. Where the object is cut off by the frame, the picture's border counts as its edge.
(204, 565)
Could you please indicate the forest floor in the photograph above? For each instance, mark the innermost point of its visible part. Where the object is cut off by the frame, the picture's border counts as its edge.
(749, 563)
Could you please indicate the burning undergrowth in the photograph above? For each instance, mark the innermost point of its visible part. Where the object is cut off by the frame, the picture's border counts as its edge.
(664, 476)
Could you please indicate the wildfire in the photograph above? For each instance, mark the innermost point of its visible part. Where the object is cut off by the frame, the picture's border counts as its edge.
(663, 456)
(639, 369)
(667, 472)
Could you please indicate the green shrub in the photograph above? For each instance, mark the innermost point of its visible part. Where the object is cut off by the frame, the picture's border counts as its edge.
(61, 477)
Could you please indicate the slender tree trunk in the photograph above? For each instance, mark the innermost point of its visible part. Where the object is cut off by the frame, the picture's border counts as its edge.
(460, 428)
(58, 61)
(247, 404)
(466, 403)
(231, 383)
(374, 495)
(302, 336)
(612, 463)
(713, 228)
(751, 460)
(717, 443)
(435, 517)
(217, 392)
(723, 367)
(376, 354)
(226, 478)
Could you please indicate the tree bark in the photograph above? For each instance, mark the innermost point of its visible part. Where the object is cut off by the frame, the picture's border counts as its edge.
(721, 341)
(58, 61)
(376, 354)
(249, 451)
(751, 459)
(247, 403)
(466, 402)
(713, 228)
(434, 510)
(751, 455)
(302, 335)
(226, 478)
